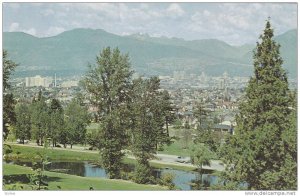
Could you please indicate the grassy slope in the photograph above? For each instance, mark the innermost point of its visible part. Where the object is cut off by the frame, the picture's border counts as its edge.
(71, 182)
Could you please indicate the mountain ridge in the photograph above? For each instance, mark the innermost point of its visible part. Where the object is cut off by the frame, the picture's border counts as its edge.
(73, 50)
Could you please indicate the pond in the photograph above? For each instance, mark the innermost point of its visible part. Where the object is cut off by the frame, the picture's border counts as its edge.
(182, 179)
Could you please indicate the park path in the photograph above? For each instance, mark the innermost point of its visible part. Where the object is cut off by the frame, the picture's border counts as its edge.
(165, 159)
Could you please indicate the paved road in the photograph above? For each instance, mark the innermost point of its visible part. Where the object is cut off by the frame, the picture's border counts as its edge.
(160, 158)
(185, 161)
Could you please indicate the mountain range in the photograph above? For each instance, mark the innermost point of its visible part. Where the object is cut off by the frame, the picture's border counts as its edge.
(70, 52)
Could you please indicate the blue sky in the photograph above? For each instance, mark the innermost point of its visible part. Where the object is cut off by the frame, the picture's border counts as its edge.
(234, 23)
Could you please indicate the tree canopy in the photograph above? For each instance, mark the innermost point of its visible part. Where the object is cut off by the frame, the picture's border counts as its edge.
(262, 152)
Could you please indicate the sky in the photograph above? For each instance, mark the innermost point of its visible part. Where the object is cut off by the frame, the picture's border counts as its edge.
(234, 23)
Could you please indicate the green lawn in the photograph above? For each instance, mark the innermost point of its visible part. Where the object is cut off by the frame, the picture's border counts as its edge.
(176, 149)
(29, 153)
(70, 182)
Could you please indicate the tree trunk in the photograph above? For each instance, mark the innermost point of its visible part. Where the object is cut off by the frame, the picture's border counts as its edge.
(71, 146)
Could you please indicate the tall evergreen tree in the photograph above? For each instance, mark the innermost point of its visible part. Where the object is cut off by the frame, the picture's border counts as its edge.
(9, 116)
(108, 84)
(263, 150)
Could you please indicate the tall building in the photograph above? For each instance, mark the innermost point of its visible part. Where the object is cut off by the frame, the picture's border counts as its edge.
(38, 81)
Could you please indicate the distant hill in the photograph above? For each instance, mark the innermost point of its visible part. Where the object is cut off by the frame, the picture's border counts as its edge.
(69, 53)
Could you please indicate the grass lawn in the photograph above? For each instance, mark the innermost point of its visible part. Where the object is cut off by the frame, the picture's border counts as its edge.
(29, 153)
(176, 149)
(71, 182)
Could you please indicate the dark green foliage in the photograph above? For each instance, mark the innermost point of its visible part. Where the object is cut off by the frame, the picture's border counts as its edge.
(40, 119)
(56, 121)
(9, 117)
(92, 138)
(167, 109)
(200, 156)
(143, 173)
(108, 83)
(148, 117)
(263, 150)
(8, 67)
(76, 121)
(23, 124)
(205, 133)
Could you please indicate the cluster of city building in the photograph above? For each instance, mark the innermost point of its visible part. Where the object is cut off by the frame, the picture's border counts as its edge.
(219, 94)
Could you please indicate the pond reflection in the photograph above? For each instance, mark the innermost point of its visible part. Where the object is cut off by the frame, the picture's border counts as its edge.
(184, 180)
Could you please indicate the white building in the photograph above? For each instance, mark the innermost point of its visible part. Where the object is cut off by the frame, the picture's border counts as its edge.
(38, 81)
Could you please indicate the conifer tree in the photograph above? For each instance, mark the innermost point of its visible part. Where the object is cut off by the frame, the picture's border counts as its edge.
(9, 116)
(262, 152)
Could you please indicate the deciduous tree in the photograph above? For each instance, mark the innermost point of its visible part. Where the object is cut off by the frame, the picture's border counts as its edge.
(108, 84)
(23, 124)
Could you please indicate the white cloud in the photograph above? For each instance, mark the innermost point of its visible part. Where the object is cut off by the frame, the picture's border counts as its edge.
(14, 27)
(174, 10)
(31, 31)
(51, 31)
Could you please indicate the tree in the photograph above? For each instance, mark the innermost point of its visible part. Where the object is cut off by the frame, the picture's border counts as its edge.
(9, 117)
(263, 150)
(56, 121)
(39, 176)
(168, 110)
(23, 125)
(76, 121)
(200, 156)
(108, 84)
(40, 119)
(147, 130)
(205, 134)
